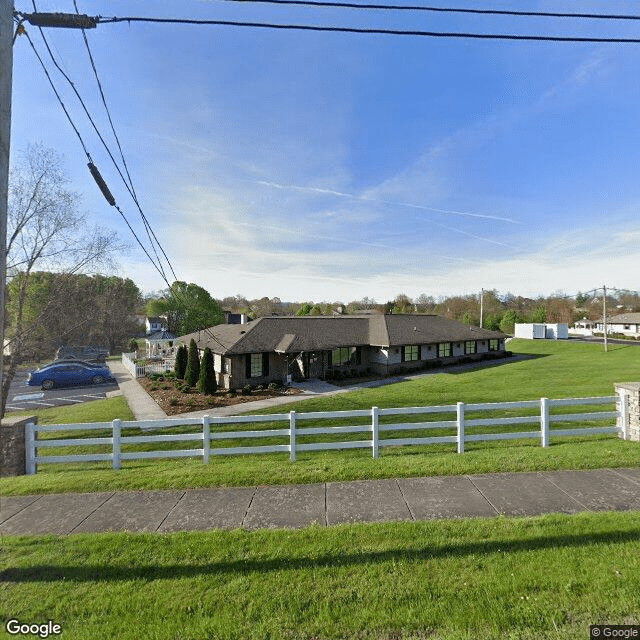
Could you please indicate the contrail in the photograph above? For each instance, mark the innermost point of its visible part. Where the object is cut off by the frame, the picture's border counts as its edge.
(341, 194)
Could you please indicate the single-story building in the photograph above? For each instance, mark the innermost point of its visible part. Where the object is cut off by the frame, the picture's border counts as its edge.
(279, 349)
(626, 323)
(584, 327)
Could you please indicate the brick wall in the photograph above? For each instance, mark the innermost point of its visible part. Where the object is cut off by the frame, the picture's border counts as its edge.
(630, 391)
(12, 445)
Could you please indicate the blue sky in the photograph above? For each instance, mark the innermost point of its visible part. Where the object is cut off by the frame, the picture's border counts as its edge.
(326, 166)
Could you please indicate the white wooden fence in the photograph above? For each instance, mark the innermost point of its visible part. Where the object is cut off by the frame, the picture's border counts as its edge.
(543, 418)
(139, 370)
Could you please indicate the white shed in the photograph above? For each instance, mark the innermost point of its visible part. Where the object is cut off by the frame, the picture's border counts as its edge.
(535, 330)
(529, 331)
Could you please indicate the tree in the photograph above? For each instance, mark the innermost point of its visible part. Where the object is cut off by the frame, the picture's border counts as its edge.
(45, 230)
(207, 382)
(304, 309)
(180, 366)
(192, 372)
(66, 308)
(187, 307)
(539, 315)
(509, 319)
(133, 345)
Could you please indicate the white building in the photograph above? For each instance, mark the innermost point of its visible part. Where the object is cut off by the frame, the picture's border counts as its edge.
(626, 323)
(542, 331)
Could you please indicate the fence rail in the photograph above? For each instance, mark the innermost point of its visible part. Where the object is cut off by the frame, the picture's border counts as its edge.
(140, 370)
(210, 439)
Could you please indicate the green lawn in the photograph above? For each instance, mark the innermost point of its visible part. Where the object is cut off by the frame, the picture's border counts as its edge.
(547, 577)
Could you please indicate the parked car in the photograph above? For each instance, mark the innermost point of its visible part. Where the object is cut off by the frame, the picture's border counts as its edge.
(95, 365)
(68, 373)
(82, 352)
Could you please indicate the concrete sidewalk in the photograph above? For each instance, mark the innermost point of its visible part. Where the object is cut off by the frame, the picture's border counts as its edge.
(326, 504)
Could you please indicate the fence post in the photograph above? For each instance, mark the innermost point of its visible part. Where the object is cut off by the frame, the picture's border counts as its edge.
(30, 448)
(544, 421)
(624, 413)
(206, 439)
(460, 420)
(374, 431)
(116, 427)
(292, 436)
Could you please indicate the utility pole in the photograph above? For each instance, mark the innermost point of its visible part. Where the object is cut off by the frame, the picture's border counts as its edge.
(481, 307)
(65, 20)
(6, 70)
(604, 314)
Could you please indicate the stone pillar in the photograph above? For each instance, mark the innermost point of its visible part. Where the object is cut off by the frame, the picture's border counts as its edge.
(629, 392)
(12, 445)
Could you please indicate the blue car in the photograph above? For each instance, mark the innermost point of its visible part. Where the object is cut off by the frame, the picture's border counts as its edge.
(62, 375)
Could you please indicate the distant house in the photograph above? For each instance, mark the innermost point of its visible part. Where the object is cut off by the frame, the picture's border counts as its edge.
(273, 349)
(584, 327)
(156, 324)
(626, 323)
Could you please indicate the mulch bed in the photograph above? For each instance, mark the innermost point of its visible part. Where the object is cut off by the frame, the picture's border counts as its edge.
(164, 392)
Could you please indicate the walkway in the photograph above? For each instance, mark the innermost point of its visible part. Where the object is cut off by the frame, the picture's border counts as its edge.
(331, 503)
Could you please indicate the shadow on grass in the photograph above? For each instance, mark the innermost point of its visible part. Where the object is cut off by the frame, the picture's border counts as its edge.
(100, 573)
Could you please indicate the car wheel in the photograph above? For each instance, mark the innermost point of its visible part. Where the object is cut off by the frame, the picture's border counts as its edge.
(97, 379)
(48, 384)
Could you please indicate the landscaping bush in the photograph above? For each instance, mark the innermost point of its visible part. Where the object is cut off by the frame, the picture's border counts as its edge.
(207, 382)
(173, 402)
(273, 386)
(246, 390)
(192, 372)
(133, 345)
(181, 361)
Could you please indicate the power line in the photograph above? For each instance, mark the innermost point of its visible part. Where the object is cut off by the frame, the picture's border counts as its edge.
(102, 185)
(371, 31)
(150, 233)
(493, 12)
(66, 77)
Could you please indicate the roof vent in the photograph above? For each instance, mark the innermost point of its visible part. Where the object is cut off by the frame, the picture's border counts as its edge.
(243, 332)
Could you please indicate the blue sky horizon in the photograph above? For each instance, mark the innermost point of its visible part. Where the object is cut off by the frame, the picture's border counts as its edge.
(327, 166)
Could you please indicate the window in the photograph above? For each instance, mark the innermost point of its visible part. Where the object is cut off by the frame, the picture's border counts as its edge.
(257, 365)
(444, 349)
(345, 355)
(410, 352)
(470, 346)
(225, 365)
(494, 345)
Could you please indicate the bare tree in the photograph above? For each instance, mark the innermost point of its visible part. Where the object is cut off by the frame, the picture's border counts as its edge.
(45, 230)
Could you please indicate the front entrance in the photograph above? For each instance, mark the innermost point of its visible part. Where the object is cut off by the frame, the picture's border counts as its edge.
(307, 365)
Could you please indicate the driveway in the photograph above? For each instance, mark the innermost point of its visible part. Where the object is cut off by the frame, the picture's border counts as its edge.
(23, 397)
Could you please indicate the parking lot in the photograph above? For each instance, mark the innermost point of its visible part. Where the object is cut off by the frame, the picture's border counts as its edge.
(23, 397)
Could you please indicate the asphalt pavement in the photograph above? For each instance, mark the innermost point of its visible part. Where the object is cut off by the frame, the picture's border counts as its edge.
(22, 397)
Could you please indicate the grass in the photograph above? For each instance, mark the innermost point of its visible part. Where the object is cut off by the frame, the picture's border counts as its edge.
(103, 410)
(555, 370)
(547, 577)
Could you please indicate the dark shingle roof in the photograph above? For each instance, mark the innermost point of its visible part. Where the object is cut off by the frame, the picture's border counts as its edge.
(292, 334)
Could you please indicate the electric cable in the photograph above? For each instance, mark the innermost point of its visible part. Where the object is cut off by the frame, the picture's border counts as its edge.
(493, 12)
(372, 31)
(65, 75)
(150, 232)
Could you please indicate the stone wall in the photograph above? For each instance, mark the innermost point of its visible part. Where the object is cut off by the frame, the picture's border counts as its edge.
(12, 445)
(631, 392)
